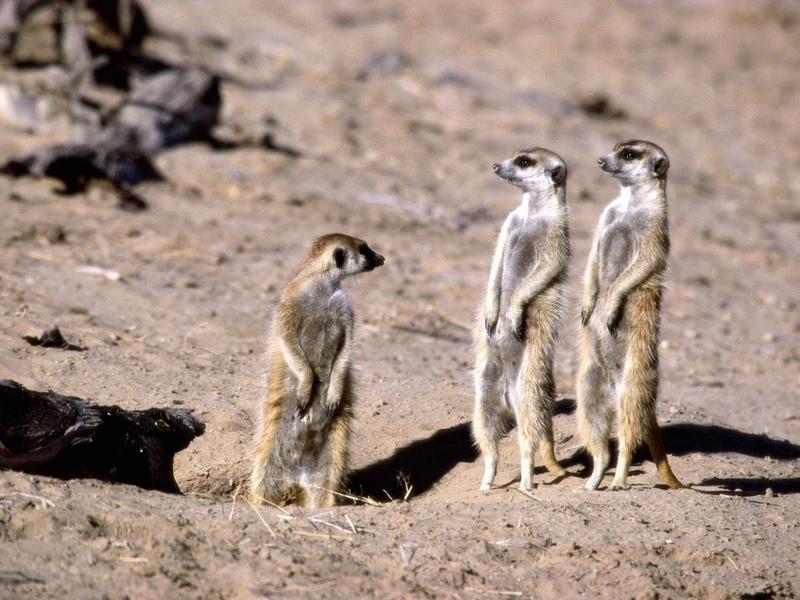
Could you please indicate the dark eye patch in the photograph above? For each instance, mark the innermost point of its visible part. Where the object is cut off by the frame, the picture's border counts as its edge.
(630, 154)
(523, 162)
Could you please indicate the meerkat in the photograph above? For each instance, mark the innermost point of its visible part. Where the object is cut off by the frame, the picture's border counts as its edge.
(302, 440)
(621, 315)
(516, 331)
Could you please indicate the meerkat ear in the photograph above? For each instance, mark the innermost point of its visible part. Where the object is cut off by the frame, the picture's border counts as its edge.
(660, 165)
(558, 174)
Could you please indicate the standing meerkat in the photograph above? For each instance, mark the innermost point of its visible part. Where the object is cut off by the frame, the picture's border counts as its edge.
(516, 338)
(303, 435)
(621, 315)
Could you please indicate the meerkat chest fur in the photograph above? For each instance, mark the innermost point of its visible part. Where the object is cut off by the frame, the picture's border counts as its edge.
(322, 329)
(625, 223)
(530, 229)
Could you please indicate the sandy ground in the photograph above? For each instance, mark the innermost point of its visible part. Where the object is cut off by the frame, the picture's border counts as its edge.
(396, 149)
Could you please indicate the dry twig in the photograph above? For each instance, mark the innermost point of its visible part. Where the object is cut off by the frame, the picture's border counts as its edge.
(262, 519)
(233, 502)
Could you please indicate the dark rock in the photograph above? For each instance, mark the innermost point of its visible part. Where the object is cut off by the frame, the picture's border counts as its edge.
(52, 338)
(599, 106)
(383, 63)
(67, 437)
(454, 78)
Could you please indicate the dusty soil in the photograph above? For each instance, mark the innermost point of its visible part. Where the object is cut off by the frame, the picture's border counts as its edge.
(396, 149)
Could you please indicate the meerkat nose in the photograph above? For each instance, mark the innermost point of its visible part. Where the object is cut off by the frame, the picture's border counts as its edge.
(379, 260)
(496, 167)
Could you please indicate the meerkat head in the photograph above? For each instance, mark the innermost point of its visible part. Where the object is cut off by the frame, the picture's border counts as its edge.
(535, 169)
(340, 256)
(635, 161)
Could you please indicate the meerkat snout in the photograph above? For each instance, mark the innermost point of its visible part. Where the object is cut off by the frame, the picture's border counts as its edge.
(371, 259)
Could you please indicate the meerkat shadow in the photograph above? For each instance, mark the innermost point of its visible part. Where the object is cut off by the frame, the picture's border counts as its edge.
(685, 438)
(750, 486)
(681, 439)
(415, 468)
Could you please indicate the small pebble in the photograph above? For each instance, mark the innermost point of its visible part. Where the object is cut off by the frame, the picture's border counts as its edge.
(769, 493)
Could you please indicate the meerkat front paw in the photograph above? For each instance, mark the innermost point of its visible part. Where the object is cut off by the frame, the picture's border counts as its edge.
(619, 487)
(586, 313)
(516, 322)
(303, 404)
(614, 317)
(490, 324)
(518, 327)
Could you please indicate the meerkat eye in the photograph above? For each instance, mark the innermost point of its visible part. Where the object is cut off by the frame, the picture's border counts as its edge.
(339, 257)
(362, 249)
(524, 162)
(629, 155)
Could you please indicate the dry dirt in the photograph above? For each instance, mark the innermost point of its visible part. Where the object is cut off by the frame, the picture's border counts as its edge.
(398, 110)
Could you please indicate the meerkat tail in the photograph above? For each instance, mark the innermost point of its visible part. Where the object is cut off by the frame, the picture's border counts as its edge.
(656, 444)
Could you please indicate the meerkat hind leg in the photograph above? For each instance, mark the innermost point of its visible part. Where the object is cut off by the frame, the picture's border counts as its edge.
(487, 427)
(525, 468)
(316, 493)
(546, 444)
(623, 466)
(593, 419)
(488, 421)
(264, 483)
(534, 391)
(529, 426)
(339, 459)
(526, 451)
(487, 430)
(630, 416)
(655, 442)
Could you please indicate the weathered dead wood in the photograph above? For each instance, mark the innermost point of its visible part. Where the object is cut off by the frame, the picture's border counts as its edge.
(77, 166)
(168, 109)
(67, 437)
(74, 33)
